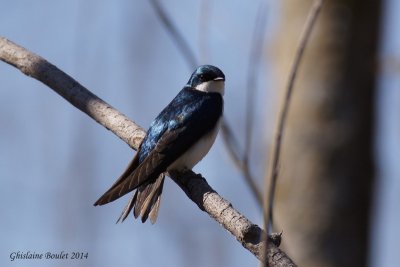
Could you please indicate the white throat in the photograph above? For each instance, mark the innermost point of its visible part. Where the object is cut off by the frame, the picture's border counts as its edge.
(212, 86)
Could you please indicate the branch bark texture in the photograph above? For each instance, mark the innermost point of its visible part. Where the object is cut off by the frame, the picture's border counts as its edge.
(195, 186)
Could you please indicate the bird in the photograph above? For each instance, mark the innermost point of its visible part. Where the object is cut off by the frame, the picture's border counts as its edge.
(177, 139)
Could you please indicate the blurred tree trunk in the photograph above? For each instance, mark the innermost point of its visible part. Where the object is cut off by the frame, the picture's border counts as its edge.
(324, 194)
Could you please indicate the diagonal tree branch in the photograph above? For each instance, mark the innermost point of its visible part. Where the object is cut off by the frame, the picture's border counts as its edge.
(251, 87)
(196, 187)
(183, 46)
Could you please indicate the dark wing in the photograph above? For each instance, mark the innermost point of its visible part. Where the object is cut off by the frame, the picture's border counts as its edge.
(128, 171)
(174, 131)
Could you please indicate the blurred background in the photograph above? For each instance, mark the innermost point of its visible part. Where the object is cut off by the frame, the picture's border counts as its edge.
(342, 140)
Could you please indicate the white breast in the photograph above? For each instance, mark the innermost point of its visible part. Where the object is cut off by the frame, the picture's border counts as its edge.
(197, 152)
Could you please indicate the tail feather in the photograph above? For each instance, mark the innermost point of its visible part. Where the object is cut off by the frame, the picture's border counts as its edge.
(148, 200)
(145, 201)
(154, 210)
(127, 208)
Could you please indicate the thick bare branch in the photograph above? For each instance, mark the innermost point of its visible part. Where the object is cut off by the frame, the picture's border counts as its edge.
(198, 190)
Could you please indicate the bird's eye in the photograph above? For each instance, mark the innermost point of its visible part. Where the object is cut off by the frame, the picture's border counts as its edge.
(201, 77)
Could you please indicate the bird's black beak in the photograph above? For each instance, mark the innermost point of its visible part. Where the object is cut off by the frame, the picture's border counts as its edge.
(219, 79)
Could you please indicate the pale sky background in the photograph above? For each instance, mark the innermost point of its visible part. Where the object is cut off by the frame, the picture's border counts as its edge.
(55, 161)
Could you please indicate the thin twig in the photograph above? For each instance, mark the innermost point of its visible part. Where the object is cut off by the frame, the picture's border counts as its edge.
(304, 37)
(176, 36)
(254, 64)
(204, 22)
(252, 77)
(227, 134)
(232, 146)
(197, 189)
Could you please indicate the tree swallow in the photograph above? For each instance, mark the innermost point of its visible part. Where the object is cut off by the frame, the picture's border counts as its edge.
(179, 137)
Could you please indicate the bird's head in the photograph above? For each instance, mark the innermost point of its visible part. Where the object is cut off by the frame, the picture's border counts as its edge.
(208, 78)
